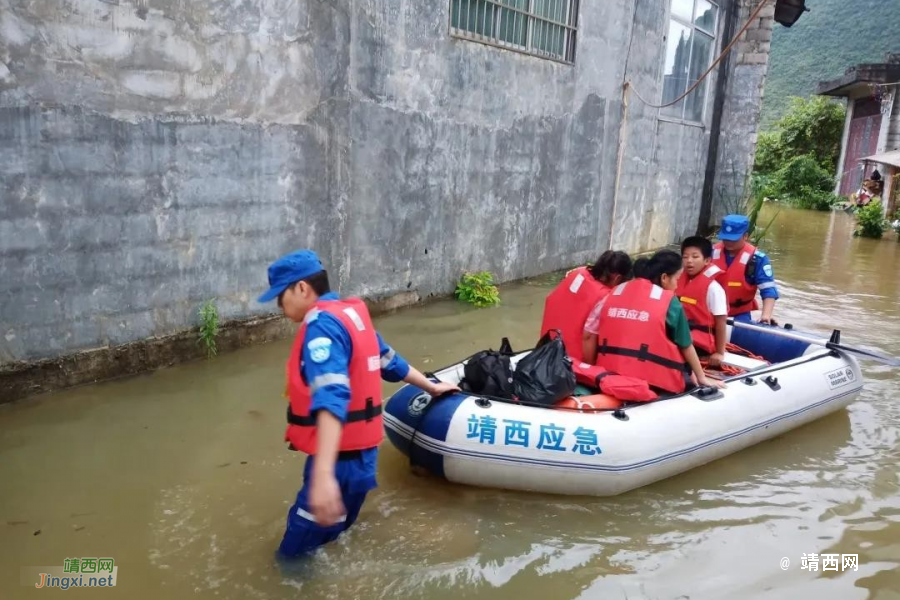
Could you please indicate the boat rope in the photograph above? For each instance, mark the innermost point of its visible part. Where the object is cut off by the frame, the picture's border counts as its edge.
(731, 370)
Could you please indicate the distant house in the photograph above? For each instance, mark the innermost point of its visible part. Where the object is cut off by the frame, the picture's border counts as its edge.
(872, 130)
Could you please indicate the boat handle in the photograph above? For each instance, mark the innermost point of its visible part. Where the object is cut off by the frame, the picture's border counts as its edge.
(772, 382)
(620, 415)
(708, 394)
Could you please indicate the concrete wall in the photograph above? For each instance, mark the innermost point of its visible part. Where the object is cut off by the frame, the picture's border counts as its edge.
(748, 66)
(154, 154)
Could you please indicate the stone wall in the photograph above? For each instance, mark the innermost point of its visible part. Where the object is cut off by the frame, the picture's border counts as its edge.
(747, 68)
(155, 154)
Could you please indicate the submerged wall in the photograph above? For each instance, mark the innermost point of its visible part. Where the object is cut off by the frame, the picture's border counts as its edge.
(155, 154)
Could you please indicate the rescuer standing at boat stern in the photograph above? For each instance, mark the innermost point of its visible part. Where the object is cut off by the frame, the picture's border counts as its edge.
(746, 270)
(334, 387)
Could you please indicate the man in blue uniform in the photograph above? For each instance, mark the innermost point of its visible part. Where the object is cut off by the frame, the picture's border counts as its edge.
(324, 381)
(747, 270)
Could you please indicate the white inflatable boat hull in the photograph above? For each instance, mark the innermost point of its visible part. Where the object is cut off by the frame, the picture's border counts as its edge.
(495, 444)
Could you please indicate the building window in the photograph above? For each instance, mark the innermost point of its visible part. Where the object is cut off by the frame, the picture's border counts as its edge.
(544, 28)
(689, 47)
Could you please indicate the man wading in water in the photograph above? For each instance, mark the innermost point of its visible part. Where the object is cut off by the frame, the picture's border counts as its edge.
(334, 384)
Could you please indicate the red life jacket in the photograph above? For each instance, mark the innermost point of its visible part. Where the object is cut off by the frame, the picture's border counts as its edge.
(633, 339)
(741, 295)
(693, 298)
(620, 387)
(567, 308)
(363, 427)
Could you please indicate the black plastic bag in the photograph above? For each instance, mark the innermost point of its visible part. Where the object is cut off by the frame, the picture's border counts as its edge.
(545, 376)
(489, 373)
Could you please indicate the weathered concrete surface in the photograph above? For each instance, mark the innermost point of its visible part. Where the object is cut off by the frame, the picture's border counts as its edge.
(157, 154)
(22, 379)
(748, 65)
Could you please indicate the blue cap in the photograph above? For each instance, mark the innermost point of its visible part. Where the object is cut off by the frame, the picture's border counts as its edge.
(734, 227)
(290, 269)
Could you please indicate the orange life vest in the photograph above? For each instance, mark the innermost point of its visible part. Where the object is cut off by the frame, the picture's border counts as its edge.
(633, 339)
(567, 308)
(363, 426)
(741, 295)
(693, 294)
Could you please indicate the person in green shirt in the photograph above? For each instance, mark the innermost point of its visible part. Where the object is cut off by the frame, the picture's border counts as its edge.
(663, 269)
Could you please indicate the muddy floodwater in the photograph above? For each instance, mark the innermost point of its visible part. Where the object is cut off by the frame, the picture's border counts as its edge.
(181, 477)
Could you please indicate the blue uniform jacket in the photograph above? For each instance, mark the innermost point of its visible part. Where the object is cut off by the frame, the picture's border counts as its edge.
(762, 277)
(324, 365)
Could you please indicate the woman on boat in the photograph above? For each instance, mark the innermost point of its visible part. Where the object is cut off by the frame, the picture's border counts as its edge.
(567, 306)
(643, 330)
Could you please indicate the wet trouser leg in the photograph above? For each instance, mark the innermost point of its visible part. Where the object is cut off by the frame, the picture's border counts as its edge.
(303, 535)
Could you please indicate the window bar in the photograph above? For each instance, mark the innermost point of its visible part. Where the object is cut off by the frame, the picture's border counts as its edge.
(573, 37)
(525, 11)
(481, 3)
(498, 23)
(545, 33)
(468, 10)
(544, 28)
(559, 32)
(556, 33)
(529, 27)
(687, 83)
(576, 7)
(519, 29)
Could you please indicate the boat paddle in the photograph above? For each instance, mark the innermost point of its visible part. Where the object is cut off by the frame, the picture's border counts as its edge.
(832, 344)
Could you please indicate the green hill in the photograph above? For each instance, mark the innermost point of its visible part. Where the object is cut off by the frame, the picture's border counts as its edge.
(836, 34)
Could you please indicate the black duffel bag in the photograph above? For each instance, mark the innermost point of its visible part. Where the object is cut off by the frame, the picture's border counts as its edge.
(545, 376)
(489, 373)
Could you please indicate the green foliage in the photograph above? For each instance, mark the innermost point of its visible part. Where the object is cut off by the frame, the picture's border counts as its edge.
(813, 128)
(896, 224)
(870, 221)
(768, 152)
(209, 328)
(802, 171)
(801, 182)
(834, 35)
(814, 199)
(754, 206)
(478, 289)
(795, 161)
(745, 197)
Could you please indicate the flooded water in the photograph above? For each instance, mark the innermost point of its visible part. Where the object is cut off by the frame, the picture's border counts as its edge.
(182, 478)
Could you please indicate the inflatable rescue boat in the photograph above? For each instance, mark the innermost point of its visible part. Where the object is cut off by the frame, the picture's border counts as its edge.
(602, 447)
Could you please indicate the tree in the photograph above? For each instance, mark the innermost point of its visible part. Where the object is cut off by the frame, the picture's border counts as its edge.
(812, 127)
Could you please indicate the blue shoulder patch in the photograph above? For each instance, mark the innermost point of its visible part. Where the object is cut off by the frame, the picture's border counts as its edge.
(760, 254)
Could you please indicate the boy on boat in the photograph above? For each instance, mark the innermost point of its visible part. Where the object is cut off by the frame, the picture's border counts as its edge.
(334, 378)
(703, 299)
